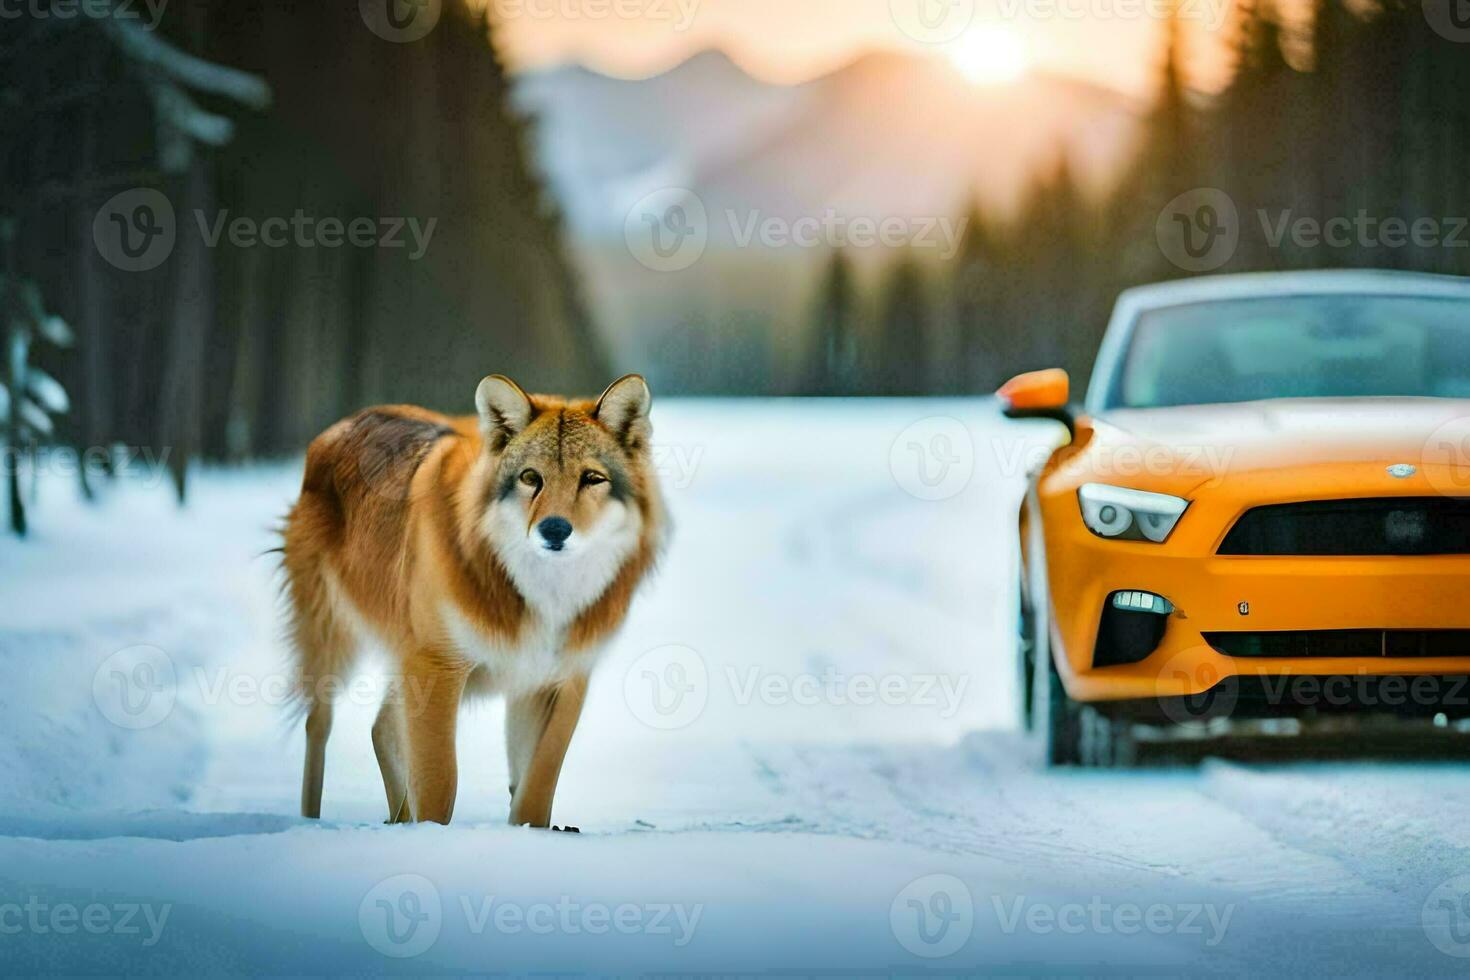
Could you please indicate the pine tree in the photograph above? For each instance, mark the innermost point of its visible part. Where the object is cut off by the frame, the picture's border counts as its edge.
(29, 396)
(1169, 163)
(833, 367)
(422, 131)
(95, 104)
(977, 281)
(903, 332)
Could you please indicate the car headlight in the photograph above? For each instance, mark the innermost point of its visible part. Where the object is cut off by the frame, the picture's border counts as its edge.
(1133, 515)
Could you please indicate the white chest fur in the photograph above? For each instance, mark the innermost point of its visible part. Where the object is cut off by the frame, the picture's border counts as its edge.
(535, 659)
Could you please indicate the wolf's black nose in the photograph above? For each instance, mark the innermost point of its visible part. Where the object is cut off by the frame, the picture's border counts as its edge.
(555, 530)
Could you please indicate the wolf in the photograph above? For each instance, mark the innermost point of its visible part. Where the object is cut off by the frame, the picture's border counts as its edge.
(493, 554)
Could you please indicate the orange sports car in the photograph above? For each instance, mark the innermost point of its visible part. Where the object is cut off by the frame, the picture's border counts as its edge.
(1263, 512)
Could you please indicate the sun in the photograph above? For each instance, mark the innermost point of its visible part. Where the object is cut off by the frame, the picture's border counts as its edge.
(991, 55)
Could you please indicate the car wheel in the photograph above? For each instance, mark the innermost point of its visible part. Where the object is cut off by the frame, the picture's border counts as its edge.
(1026, 660)
(1062, 730)
(1052, 712)
(1103, 742)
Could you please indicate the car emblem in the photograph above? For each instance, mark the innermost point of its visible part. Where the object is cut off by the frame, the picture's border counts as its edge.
(1402, 471)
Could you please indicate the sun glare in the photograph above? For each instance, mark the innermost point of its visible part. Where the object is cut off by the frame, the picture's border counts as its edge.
(991, 55)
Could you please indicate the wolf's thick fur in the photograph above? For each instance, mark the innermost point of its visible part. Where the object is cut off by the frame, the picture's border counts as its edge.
(489, 554)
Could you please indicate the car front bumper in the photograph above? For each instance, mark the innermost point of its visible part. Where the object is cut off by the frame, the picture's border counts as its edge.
(1258, 594)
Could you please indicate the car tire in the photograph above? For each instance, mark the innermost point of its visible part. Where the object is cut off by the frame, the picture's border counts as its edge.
(1062, 731)
(1103, 742)
(1053, 714)
(1026, 662)
(1073, 733)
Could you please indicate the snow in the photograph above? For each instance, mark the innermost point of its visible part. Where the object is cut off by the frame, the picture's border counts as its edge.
(843, 758)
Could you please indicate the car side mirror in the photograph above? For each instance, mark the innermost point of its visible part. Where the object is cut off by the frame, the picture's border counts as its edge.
(1039, 395)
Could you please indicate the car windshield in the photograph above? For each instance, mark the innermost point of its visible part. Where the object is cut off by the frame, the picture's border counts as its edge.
(1296, 347)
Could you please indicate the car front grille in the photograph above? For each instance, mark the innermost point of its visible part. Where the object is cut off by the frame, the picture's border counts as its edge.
(1342, 643)
(1358, 527)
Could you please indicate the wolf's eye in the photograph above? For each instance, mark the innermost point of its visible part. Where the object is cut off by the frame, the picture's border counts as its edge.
(531, 478)
(592, 478)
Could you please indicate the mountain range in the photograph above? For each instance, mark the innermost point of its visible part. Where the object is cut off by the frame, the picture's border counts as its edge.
(888, 136)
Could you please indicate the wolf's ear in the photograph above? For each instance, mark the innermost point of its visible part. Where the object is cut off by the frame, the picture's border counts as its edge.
(504, 410)
(623, 408)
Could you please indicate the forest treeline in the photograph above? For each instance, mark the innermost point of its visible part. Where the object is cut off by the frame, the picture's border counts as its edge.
(233, 349)
(1356, 112)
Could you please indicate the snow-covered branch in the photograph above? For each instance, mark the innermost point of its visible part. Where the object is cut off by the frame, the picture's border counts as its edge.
(147, 48)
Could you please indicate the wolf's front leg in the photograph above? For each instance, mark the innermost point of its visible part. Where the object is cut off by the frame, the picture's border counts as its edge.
(432, 689)
(538, 730)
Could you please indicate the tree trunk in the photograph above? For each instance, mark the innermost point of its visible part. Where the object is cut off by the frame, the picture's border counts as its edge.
(8, 279)
(192, 314)
(94, 406)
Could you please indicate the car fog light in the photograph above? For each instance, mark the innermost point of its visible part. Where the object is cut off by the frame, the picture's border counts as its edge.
(1132, 626)
(1142, 602)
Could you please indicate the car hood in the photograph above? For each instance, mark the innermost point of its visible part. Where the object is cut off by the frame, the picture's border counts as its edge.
(1210, 440)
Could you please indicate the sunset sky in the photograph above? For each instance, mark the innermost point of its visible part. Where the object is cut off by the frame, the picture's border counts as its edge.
(1110, 42)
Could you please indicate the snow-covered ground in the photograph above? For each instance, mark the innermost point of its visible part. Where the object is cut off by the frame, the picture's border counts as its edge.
(800, 757)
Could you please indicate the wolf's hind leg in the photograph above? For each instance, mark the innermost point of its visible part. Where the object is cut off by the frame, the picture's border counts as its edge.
(390, 746)
(318, 730)
(324, 651)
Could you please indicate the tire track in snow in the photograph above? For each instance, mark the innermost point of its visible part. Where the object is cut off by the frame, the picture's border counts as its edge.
(1100, 830)
(933, 797)
(1405, 847)
(1172, 816)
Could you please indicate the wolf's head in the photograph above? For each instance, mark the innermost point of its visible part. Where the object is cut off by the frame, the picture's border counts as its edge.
(571, 492)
